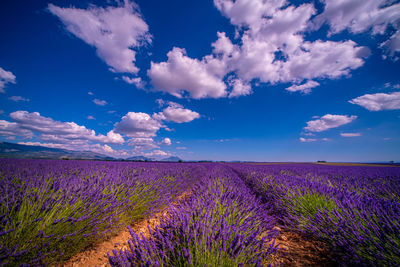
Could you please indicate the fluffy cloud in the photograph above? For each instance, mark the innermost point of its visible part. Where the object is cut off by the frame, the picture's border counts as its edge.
(358, 16)
(142, 143)
(321, 59)
(248, 12)
(157, 153)
(19, 99)
(77, 146)
(166, 141)
(175, 113)
(305, 87)
(90, 117)
(111, 137)
(328, 121)
(239, 88)
(182, 73)
(179, 115)
(61, 131)
(57, 134)
(12, 130)
(113, 31)
(350, 134)
(141, 127)
(271, 49)
(108, 149)
(100, 102)
(361, 16)
(309, 140)
(138, 82)
(306, 140)
(379, 101)
(390, 85)
(200, 78)
(393, 45)
(5, 78)
(137, 124)
(270, 42)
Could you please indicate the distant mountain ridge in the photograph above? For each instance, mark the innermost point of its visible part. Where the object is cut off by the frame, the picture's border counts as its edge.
(140, 158)
(172, 159)
(12, 150)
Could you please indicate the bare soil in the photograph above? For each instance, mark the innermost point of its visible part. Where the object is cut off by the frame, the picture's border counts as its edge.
(97, 255)
(296, 250)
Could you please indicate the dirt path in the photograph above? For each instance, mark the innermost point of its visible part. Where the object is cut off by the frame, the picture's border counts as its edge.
(295, 250)
(97, 256)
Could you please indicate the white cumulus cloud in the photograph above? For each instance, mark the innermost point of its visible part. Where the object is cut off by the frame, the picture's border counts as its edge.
(181, 73)
(305, 87)
(157, 153)
(374, 16)
(179, 115)
(166, 141)
(114, 31)
(19, 99)
(328, 121)
(78, 146)
(175, 113)
(379, 101)
(350, 134)
(60, 131)
(13, 129)
(271, 49)
(137, 124)
(111, 137)
(6, 77)
(248, 12)
(306, 140)
(138, 82)
(56, 134)
(239, 88)
(141, 127)
(100, 102)
(142, 143)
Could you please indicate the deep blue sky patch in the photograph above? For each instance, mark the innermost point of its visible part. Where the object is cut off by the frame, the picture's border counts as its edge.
(221, 80)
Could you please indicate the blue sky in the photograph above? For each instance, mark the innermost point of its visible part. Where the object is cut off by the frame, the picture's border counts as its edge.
(221, 80)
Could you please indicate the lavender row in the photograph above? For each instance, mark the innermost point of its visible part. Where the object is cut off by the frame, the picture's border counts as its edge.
(221, 224)
(50, 210)
(354, 209)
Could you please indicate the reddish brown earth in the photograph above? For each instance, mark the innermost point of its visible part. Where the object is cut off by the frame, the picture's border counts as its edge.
(97, 255)
(295, 250)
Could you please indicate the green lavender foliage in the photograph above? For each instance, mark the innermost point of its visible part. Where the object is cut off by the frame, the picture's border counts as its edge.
(50, 216)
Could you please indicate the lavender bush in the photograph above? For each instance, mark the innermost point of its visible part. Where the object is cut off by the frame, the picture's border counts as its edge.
(221, 224)
(50, 209)
(354, 209)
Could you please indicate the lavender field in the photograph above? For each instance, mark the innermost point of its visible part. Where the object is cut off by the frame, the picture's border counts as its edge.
(232, 215)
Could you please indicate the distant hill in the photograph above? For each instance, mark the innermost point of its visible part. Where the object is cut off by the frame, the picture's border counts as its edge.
(139, 158)
(12, 150)
(172, 159)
